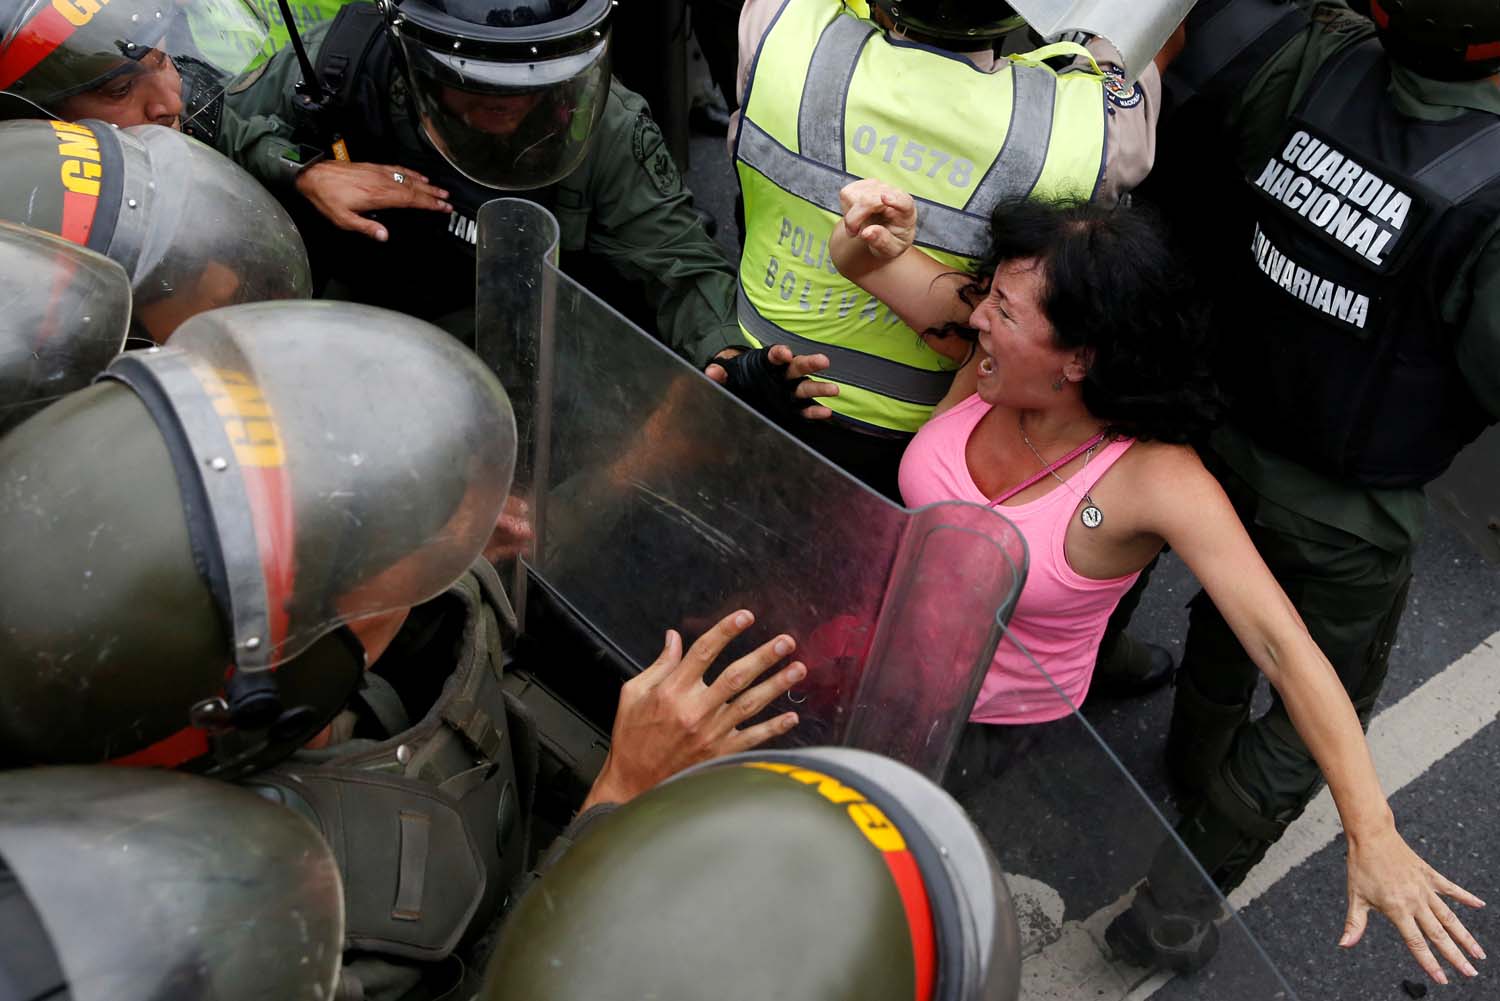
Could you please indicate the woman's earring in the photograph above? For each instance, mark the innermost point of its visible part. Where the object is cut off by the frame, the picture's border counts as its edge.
(1057, 384)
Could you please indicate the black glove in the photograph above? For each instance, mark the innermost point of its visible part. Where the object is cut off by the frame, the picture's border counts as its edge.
(763, 384)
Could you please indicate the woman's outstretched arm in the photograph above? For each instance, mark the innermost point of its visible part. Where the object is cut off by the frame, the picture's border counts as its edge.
(1181, 502)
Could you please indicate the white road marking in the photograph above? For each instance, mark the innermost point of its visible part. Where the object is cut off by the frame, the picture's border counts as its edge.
(1070, 961)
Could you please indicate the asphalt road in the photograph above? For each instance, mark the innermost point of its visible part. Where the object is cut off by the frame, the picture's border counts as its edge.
(1448, 809)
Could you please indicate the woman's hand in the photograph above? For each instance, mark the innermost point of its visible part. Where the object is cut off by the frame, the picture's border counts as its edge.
(885, 218)
(1384, 873)
(343, 191)
(669, 719)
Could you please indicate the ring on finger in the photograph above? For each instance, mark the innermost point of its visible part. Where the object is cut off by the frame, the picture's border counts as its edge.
(398, 177)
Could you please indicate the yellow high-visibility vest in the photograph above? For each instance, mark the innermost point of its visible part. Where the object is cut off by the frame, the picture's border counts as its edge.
(832, 99)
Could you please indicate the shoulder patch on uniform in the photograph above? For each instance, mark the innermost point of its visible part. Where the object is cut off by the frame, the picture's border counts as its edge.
(650, 151)
(1120, 93)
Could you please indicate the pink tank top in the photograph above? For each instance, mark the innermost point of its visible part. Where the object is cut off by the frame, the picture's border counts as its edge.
(1061, 614)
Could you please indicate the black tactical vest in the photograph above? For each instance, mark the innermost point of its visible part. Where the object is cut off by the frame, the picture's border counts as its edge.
(1338, 353)
(1228, 43)
(426, 806)
(426, 268)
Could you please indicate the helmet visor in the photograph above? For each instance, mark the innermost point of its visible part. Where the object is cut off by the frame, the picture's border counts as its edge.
(513, 126)
(206, 234)
(68, 313)
(131, 61)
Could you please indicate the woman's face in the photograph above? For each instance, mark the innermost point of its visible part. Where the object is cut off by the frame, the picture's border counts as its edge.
(1019, 359)
(148, 92)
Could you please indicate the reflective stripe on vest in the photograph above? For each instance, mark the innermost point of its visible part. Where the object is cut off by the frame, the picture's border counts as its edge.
(830, 100)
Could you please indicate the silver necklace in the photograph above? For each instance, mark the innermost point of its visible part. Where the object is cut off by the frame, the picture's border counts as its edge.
(1090, 516)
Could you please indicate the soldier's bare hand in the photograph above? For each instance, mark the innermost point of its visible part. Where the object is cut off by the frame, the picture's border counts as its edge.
(668, 719)
(884, 217)
(343, 191)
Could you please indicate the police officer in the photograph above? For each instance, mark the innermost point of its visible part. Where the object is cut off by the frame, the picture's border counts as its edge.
(273, 493)
(1361, 343)
(441, 108)
(820, 109)
(824, 112)
(144, 885)
(67, 314)
(192, 230)
(829, 874)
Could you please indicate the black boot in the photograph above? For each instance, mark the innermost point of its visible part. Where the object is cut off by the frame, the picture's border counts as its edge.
(1128, 668)
(1151, 936)
(1199, 738)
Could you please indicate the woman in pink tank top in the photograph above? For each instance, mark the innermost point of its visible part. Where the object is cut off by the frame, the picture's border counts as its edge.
(1084, 381)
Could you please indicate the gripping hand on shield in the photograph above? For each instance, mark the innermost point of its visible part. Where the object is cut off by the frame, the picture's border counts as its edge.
(774, 381)
(669, 719)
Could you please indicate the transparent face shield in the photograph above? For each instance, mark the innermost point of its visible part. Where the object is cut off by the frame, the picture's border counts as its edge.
(354, 462)
(510, 126)
(155, 886)
(67, 311)
(132, 61)
(203, 233)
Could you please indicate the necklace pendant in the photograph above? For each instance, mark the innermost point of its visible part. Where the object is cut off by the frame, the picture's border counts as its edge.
(1091, 517)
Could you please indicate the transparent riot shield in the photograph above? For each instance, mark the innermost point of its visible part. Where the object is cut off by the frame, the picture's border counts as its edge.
(658, 500)
(1468, 494)
(1137, 29)
(1077, 838)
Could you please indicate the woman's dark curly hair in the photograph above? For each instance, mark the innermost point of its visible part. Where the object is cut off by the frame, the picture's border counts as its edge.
(1111, 285)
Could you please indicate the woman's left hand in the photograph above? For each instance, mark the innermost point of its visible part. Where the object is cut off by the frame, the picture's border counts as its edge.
(1384, 873)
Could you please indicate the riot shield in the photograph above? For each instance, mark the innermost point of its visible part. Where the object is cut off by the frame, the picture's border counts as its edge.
(1468, 494)
(658, 500)
(1136, 29)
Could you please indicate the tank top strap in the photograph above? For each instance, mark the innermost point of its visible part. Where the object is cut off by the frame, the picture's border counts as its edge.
(1083, 481)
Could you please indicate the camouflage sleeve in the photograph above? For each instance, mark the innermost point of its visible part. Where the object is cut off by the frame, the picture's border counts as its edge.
(641, 221)
(259, 115)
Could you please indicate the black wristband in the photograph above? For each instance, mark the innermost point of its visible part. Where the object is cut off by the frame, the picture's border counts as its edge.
(763, 384)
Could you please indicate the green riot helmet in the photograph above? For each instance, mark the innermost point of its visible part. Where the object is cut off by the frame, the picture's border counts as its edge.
(1442, 39)
(130, 62)
(205, 531)
(67, 311)
(137, 885)
(192, 229)
(817, 874)
(508, 91)
(952, 22)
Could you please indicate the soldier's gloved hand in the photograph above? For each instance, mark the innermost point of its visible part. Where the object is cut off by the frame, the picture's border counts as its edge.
(342, 191)
(669, 719)
(774, 381)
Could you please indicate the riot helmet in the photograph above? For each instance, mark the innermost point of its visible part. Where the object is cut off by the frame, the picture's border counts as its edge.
(822, 874)
(200, 535)
(138, 885)
(952, 21)
(192, 229)
(132, 62)
(67, 311)
(1442, 39)
(508, 91)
